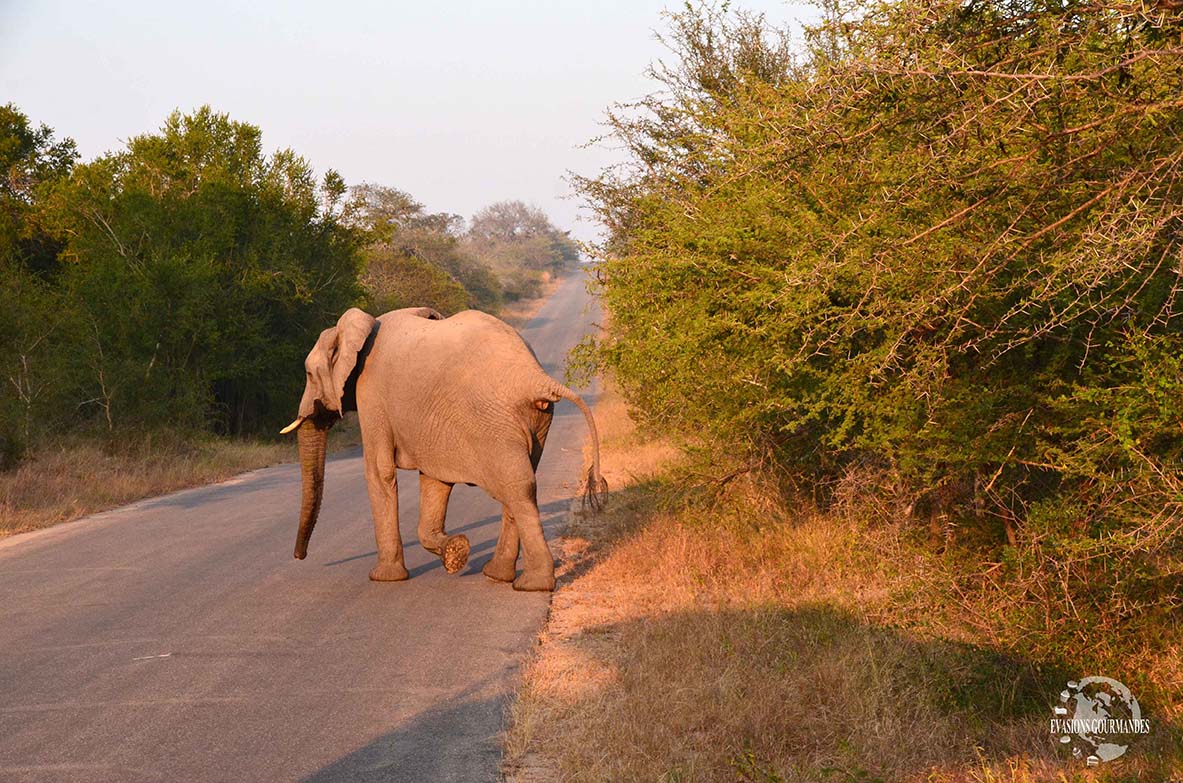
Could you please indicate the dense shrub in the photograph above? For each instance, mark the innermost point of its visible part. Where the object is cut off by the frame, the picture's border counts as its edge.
(945, 242)
(189, 273)
(31, 317)
(393, 281)
(426, 246)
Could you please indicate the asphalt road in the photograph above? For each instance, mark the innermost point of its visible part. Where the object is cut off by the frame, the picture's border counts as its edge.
(177, 640)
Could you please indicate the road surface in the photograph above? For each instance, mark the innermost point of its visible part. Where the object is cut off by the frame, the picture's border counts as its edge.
(177, 640)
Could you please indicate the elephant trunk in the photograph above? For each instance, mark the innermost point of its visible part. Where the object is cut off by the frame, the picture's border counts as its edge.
(311, 440)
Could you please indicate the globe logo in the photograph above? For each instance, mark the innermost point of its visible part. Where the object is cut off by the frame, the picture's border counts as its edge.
(1097, 718)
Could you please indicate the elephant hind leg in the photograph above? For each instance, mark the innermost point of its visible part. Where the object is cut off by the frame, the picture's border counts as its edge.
(433, 509)
(538, 572)
(504, 565)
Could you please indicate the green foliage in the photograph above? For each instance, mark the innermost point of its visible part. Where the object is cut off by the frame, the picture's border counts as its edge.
(945, 242)
(27, 323)
(394, 280)
(520, 243)
(506, 254)
(30, 314)
(521, 284)
(29, 158)
(402, 235)
(195, 272)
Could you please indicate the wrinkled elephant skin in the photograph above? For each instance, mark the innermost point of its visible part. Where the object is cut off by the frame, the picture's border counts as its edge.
(462, 400)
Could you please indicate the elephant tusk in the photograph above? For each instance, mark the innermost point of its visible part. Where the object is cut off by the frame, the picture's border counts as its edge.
(299, 420)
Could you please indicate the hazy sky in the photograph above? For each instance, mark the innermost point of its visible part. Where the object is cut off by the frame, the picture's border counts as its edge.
(458, 103)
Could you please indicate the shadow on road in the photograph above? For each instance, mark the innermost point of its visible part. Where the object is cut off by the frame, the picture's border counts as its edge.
(414, 752)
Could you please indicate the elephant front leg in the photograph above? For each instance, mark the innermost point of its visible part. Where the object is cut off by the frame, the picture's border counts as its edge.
(433, 509)
(504, 565)
(382, 484)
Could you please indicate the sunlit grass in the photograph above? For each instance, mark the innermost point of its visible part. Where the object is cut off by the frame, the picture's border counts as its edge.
(744, 640)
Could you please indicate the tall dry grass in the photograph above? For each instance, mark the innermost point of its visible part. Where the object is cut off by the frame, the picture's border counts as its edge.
(742, 639)
(72, 476)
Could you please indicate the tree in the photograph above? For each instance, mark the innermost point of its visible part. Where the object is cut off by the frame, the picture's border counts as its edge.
(399, 227)
(514, 234)
(29, 158)
(199, 271)
(509, 221)
(30, 313)
(940, 247)
(380, 211)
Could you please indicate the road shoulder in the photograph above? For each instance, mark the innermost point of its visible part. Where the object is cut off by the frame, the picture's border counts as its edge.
(700, 636)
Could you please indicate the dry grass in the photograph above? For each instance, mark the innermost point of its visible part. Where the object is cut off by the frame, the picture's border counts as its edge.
(79, 475)
(518, 313)
(743, 641)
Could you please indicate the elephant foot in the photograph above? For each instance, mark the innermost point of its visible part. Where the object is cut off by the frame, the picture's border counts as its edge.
(388, 572)
(539, 581)
(503, 571)
(455, 553)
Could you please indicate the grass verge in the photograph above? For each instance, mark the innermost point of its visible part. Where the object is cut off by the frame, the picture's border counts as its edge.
(76, 475)
(518, 313)
(744, 640)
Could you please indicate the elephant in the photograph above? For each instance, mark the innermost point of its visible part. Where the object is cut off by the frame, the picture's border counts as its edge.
(460, 399)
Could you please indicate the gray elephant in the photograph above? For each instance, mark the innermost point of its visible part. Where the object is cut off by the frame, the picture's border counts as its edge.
(460, 399)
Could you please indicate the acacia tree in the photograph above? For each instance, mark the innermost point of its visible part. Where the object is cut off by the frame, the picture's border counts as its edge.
(943, 244)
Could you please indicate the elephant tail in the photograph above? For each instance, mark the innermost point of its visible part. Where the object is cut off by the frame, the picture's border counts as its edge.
(595, 489)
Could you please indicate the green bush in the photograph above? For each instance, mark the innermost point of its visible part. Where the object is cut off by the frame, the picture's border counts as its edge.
(943, 242)
(401, 231)
(521, 284)
(33, 321)
(194, 274)
(393, 281)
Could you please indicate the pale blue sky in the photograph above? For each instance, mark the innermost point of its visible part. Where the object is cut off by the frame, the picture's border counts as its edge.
(459, 103)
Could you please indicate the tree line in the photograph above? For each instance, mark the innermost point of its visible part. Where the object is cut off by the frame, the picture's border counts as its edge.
(179, 281)
(933, 257)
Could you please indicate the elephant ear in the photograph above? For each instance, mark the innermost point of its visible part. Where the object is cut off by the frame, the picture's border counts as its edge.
(332, 359)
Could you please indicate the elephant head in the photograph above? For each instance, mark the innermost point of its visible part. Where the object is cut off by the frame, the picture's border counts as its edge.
(330, 370)
(328, 395)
